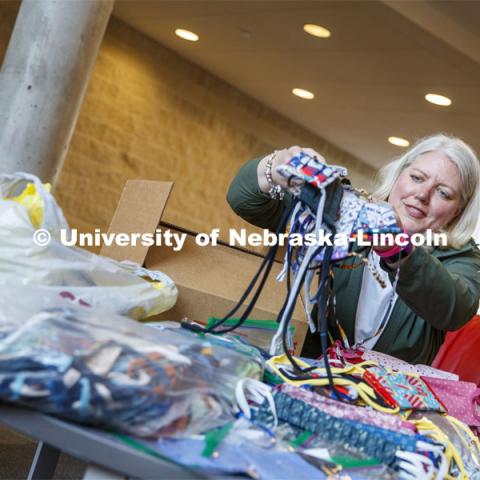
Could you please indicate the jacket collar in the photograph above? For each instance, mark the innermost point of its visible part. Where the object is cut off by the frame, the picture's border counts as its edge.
(452, 252)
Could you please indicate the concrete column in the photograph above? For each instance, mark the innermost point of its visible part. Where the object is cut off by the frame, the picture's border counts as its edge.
(43, 80)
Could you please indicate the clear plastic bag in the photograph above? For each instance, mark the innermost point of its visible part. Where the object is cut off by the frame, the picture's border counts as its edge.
(122, 287)
(95, 367)
(461, 438)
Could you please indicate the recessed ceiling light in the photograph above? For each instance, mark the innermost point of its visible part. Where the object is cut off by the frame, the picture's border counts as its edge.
(300, 92)
(245, 33)
(186, 35)
(317, 30)
(438, 99)
(398, 141)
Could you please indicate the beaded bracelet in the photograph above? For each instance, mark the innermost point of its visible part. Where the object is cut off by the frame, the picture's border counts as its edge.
(276, 192)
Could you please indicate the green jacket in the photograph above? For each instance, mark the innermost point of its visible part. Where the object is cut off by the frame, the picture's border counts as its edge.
(438, 291)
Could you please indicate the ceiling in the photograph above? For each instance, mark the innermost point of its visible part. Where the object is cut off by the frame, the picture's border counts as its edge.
(369, 78)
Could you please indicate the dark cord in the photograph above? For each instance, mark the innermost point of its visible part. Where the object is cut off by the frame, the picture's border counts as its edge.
(265, 267)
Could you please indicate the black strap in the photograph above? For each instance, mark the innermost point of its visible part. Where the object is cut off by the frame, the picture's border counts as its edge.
(264, 268)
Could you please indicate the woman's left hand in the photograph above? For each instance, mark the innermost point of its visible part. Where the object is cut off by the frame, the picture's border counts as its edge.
(381, 249)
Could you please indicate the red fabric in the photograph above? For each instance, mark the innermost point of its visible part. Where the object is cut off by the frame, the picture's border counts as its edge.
(460, 353)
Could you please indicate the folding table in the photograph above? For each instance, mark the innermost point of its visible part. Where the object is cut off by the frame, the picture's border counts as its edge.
(107, 456)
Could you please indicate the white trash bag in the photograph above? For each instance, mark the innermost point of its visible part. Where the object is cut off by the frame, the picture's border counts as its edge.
(122, 287)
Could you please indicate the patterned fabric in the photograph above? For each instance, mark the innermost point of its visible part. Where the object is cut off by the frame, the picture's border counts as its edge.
(408, 391)
(234, 458)
(463, 447)
(373, 441)
(310, 170)
(348, 411)
(340, 355)
(462, 399)
(357, 211)
(393, 363)
(83, 365)
(346, 355)
(327, 228)
(376, 217)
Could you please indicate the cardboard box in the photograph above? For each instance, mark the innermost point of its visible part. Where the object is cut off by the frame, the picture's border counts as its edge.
(210, 279)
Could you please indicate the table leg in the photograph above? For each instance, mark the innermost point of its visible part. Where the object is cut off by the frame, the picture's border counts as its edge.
(44, 462)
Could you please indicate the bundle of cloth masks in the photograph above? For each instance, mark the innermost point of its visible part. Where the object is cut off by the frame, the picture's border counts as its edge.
(389, 424)
(95, 367)
(403, 415)
(416, 448)
(326, 205)
(348, 399)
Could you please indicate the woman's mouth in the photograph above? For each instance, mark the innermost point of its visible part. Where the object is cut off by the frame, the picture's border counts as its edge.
(415, 212)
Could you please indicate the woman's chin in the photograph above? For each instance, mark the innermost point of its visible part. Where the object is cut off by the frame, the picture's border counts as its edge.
(411, 226)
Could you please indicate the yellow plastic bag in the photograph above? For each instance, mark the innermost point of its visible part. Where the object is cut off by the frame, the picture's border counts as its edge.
(33, 202)
(27, 205)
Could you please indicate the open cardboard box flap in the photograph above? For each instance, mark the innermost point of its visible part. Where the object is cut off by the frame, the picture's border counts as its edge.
(210, 279)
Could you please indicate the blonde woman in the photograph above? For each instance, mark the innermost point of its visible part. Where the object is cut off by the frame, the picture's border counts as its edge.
(434, 186)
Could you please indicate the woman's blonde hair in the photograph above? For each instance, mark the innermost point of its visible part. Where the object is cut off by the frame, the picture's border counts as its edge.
(462, 227)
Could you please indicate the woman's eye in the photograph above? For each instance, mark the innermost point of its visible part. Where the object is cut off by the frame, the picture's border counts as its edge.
(416, 178)
(444, 194)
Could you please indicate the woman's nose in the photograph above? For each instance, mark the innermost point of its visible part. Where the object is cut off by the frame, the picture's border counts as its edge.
(423, 196)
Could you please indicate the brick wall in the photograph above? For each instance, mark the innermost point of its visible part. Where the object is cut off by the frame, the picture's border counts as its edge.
(8, 13)
(149, 113)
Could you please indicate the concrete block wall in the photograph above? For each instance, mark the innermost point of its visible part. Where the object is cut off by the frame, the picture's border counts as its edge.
(149, 113)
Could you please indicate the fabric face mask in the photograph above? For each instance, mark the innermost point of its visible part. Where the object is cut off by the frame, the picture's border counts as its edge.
(461, 399)
(408, 391)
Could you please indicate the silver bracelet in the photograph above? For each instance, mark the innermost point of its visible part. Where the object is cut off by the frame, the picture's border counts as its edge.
(276, 192)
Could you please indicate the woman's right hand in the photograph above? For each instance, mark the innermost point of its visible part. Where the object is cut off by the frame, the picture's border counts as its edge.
(281, 157)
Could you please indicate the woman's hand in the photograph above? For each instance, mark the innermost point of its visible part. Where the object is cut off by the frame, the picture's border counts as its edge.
(279, 158)
(402, 250)
(385, 248)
